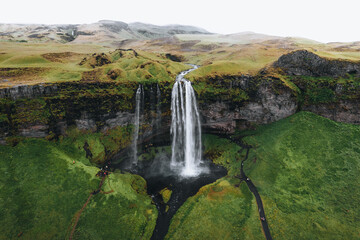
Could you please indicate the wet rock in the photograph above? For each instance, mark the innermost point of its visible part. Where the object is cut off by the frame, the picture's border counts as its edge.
(37, 131)
(121, 119)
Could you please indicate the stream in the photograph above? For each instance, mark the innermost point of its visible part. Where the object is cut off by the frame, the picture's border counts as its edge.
(253, 189)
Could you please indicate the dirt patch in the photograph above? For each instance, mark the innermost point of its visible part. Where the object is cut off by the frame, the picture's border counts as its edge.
(20, 72)
(114, 73)
(175, 57)
(92, 76)
(38, 36)
(60, 57)
(215, 194)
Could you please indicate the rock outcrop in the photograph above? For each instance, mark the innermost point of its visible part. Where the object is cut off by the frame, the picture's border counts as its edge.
(328, 87)
(28, 91)
(266, 106)
(343, 111)
(305, 63)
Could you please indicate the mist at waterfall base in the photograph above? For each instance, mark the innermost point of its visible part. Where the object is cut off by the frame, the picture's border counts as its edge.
(177, 163)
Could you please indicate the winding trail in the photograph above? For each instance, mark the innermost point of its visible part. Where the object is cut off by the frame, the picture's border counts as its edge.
(253, 189)
(76, 217)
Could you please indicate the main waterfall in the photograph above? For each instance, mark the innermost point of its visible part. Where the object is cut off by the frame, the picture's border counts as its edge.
(185, 128)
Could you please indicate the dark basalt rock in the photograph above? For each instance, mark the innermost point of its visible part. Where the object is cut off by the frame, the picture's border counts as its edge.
(305, 63)
(343, 111)
(267, 103)
(27, 91)
(174, 57)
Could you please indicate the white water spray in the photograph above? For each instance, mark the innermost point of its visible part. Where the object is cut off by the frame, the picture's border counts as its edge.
(138, 98)
(185, 128)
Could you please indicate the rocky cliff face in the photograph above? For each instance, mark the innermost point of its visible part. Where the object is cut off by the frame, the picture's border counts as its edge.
(265, 106)
(226, 103)
(343, 111)
(329, 88)
(40, 111)
(305, 63)
(48, 111)
(26, 91)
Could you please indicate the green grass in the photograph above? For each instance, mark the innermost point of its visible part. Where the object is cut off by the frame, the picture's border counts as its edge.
(49, 63)
(306, 170)
(41, 190)
(223, 152)
(323, 89)
(218, 211)
(104, 145)
(225, 209)
(26, 60)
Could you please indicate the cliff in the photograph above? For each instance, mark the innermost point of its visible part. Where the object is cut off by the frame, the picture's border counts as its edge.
(226, 103)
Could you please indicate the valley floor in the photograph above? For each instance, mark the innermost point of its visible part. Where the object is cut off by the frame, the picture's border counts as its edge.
(305, 168)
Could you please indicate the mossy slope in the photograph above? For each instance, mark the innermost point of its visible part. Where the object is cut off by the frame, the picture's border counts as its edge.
(42, 189)
(306, 170)
(218, 211)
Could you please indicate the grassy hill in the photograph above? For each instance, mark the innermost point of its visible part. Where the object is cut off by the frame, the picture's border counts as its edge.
(306, 170)
(44, 184)
(22, 63)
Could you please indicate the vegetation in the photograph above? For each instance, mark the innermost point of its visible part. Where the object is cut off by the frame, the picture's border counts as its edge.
(222, 210)
(225, 209)
(305, 167)
(307, 180)
(48, 63)
(326, 89)
(224, 152)
(306, 170)
(99, 146)
(44, 184)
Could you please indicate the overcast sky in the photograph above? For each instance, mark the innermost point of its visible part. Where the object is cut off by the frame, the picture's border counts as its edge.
(321, 20)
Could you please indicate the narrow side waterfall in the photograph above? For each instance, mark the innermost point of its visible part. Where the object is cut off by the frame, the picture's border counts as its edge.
(185, 128)
(138, 98)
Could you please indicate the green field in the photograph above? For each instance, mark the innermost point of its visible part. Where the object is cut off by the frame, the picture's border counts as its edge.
(306, 170)
(42, 189)
(23, 63)
(306, 167)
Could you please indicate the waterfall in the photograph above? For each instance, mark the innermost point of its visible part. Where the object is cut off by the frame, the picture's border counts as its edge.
(185, 128)
(139, 99)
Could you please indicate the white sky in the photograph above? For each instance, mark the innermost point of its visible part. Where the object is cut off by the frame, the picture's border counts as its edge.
(321, 20)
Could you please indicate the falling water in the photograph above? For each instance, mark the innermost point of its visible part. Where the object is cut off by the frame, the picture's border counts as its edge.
(185, 128)
(138, 98)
